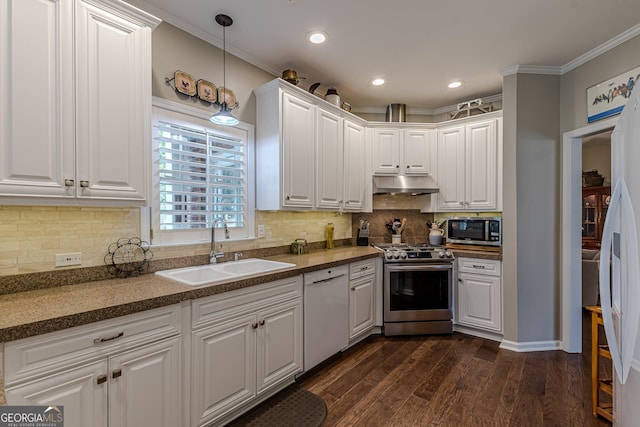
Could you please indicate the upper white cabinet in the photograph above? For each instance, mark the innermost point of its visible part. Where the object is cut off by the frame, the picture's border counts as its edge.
(469, 167)
(399, 151)
(340, 163)
(302, 148)
(75, 110)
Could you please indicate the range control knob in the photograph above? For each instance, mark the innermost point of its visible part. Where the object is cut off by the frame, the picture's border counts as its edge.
(396, 255)
(448, 254)
(403, 255)
(440, 254)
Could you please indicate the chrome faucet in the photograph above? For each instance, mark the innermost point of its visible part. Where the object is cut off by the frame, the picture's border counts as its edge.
(213, 255)
(237, 256)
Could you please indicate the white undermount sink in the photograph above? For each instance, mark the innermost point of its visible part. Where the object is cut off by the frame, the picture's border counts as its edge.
(211, 274)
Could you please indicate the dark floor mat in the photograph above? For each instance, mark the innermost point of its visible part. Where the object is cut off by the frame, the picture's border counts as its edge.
(292, 407)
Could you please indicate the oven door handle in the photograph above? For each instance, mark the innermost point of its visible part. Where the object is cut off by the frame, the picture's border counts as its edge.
(418, 267)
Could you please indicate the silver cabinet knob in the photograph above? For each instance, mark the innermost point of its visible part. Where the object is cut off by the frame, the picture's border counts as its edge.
(69, 183)
(84, 184)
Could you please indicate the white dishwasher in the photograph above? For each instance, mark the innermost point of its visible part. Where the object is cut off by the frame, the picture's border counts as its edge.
(326, 314)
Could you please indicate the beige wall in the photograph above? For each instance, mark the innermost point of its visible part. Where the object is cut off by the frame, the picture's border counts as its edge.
(575, 83)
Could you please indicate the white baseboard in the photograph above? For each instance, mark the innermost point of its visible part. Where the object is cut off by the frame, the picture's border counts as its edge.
(493, 336)
(524, 347)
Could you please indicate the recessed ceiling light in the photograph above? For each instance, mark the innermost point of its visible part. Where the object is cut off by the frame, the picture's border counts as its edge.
(317, 37)
(455, 84)
(377, 82)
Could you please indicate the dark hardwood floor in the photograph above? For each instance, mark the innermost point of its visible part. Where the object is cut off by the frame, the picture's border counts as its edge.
(456, 380)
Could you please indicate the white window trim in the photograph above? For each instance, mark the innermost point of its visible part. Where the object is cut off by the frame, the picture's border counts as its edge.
(176, 237)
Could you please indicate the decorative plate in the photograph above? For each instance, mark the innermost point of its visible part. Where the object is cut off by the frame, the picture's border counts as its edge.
(227, 95)
(206, 91)
(185, 83)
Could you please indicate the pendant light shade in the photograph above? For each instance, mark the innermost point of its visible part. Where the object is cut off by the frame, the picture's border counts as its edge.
(224, 116)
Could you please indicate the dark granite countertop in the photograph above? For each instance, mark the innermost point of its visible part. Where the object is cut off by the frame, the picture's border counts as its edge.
(51, 309)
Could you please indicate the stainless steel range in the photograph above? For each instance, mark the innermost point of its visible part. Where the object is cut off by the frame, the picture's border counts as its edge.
(417, 289)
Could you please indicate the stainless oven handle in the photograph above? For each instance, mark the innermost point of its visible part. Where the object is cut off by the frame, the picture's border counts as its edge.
(418, 267)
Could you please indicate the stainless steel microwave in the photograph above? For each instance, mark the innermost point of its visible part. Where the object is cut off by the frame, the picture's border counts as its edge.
(475, 230)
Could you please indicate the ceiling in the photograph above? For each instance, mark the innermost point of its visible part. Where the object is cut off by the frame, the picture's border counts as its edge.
(418, 46)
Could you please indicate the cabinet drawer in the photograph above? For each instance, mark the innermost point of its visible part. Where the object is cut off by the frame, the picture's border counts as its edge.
(362, 268)
(479, 266)
(208, 310)
(62, 349)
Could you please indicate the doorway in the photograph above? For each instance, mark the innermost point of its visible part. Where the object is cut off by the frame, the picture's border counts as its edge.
(571, 278)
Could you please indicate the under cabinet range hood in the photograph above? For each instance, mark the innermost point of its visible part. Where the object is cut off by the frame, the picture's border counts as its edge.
(416, 185)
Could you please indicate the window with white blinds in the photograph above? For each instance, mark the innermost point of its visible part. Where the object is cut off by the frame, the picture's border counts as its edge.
(202, 172)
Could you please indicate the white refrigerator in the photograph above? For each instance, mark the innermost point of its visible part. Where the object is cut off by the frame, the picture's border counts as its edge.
(620, 284)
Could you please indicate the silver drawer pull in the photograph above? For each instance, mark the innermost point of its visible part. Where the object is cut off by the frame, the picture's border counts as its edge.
(117, 373)
(69, 183)
(479, 266)
(101, 379)
(84, 184)
(101, 340)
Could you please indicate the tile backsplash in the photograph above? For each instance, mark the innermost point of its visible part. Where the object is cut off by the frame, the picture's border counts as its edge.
(31, 236)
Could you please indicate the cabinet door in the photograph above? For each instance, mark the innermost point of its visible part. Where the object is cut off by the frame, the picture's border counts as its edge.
(479, 301)
(113, 104)
(386, 151)
(451, 168)
(481, 166)
(329, 158)
(354, 166)
(223, 368)
(417, 147)
(361, 305)
(36, 106)
(82, 391)
(144, 386)
(298, 136)
(279, 347)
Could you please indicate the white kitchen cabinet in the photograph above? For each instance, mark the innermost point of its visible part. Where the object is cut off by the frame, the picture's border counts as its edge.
(479, 294)
(75, 110)
(398, 151)
(354, 166)
(119, 372)
(247, 344)
(340, 164)
(469, 172)
(329, 160)
(362, 287)
(303, 145)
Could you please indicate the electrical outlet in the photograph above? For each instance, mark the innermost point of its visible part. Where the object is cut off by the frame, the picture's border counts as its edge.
(72, 258)
(260, 231)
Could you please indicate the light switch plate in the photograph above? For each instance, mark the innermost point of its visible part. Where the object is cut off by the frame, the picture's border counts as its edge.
(261, 231)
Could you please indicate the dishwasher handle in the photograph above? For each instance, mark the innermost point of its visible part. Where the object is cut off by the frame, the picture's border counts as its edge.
(328, 279)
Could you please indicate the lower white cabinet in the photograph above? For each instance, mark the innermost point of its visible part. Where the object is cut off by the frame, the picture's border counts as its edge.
(246, 344)
(362, 287)
(479, 294)
(120, 372)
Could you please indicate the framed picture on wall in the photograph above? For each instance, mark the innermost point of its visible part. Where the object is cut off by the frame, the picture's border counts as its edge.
(609, 97)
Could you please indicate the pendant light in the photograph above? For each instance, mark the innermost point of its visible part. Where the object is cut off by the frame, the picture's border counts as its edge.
(224, 116)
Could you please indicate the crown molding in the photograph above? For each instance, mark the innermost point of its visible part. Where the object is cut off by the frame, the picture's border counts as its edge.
(531, 69)
(603, 48)
(203, 35)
